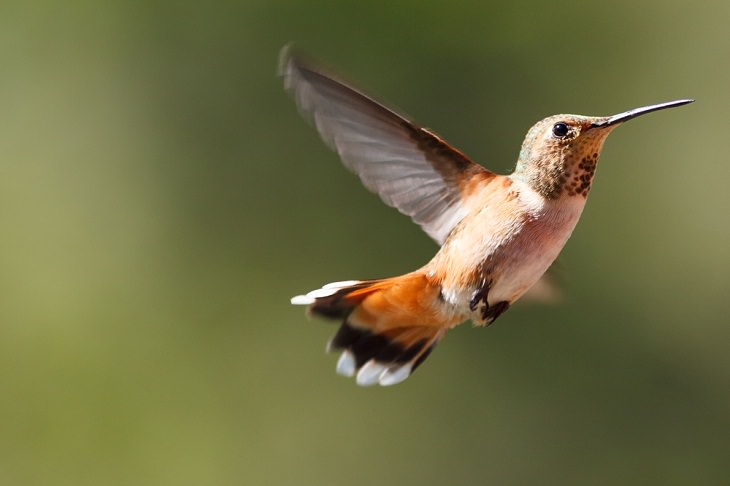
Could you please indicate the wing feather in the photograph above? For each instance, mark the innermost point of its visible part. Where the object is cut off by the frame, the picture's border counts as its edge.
(411, 168)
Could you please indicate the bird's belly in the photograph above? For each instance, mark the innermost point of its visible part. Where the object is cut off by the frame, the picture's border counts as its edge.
(520, 268)
(509, 265)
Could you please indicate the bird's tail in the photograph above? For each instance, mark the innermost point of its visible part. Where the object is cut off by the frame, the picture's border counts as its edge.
(389, 326)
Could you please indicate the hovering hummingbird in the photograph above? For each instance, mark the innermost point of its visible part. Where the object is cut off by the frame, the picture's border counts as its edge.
(498, 234)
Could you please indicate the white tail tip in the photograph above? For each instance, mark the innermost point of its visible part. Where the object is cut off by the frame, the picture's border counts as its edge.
(302, 300)
(370, 373)
(374, 373)
(395, 376)
(325, 291)
(346, 364)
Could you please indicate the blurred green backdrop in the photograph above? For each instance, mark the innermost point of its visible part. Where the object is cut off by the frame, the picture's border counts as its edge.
(160, 201)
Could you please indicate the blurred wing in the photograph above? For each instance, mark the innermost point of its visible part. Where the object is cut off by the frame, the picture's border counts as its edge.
(546, 291)
(411, 168)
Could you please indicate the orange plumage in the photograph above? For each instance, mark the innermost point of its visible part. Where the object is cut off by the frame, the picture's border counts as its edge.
(393, 323)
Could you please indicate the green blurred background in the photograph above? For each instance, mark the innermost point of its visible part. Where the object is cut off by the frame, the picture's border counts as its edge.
(161, 200)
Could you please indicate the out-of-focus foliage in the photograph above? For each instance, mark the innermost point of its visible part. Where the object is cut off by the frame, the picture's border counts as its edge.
(160, 201)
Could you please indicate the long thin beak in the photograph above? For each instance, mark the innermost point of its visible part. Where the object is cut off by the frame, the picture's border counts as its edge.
(628, 115)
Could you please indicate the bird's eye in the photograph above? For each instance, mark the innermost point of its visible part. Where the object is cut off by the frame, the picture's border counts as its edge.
(560, 130)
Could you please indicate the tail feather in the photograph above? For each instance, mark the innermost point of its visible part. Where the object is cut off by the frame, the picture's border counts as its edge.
(386, 333)
(334, 300)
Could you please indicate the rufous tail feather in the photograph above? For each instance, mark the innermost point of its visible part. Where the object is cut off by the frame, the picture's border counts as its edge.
(388, 328)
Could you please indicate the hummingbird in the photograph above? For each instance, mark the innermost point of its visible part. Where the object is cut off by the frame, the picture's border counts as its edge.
(498, 234)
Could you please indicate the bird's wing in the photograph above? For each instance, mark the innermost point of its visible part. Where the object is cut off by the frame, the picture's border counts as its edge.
(411, 168)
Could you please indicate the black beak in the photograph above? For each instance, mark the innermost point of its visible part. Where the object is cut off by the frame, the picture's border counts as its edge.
(628, 115)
